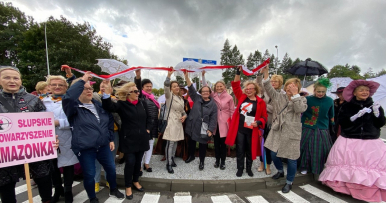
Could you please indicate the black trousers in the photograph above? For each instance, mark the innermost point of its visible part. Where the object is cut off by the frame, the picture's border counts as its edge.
(267, 151)
(220, 147)
(202, 149)
(243, 149)
(132, 167)
(68, 176)
(44, 187)
(7, 192)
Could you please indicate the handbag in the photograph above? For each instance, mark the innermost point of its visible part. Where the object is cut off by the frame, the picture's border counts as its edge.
(204, 127)
(162, 123)
(275, 126)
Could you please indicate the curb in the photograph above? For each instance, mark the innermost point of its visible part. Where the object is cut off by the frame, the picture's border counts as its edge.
(237, 185)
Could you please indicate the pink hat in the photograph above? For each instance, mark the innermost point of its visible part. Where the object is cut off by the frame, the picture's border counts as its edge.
(349, 90)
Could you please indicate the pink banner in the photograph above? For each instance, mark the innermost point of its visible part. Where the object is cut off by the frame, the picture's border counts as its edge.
(26, 138)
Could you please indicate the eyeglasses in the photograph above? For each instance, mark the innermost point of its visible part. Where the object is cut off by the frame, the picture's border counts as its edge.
(274, 81)
(90, 89)
(57, 85)
(135, 91)
(249, 89)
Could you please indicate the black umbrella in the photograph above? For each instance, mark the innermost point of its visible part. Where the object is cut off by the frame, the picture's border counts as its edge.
(307, 68)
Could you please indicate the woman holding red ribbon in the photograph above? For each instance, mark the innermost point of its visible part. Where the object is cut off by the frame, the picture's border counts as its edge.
(249, 117)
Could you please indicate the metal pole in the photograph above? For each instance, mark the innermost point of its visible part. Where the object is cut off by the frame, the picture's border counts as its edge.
(277, 58)
(45, 34)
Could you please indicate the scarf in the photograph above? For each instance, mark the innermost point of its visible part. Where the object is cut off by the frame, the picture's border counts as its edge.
(151, 98)
(56, 98)
(133, 102)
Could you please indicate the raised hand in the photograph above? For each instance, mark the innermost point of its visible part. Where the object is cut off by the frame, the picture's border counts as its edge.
(170, 72)
(107, 85)
(138, 73)
(87, 76)
(293, 89)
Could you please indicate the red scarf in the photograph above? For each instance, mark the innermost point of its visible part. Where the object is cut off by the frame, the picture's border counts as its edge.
(133, 102)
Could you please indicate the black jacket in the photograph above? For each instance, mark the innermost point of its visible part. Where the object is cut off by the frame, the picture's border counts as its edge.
(133, 136)
(87, 132)
(365, 127)
(152, 110)
(23, 102)
(194, 121)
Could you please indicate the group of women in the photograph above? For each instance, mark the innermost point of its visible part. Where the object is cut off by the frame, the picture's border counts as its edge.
(295, 128)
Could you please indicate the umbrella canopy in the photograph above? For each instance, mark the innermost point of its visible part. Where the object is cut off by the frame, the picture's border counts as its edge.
(189, 65)
(112, 66)
(380, 95)
(307, 68)
(336, 83)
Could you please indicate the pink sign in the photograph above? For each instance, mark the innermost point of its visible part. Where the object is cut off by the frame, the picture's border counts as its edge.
(26, 138)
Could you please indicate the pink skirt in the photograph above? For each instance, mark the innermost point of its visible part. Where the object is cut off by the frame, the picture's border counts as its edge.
(357, 168)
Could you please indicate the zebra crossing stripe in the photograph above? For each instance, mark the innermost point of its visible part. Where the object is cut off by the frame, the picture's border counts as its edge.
(220, 199)
(21, 189)
(321, 194)
(82, 196)
(37, 197)
(257, 199)
(235, 199)
(113, 199)
(150, 197)
(182, 197)
(293, 197)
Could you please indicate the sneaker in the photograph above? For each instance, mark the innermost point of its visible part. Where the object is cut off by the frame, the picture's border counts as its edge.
(117, 194)
(107, 184)
(304, 172)
(97, 189)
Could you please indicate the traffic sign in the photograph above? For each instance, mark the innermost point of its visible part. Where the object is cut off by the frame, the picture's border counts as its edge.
(202, 61)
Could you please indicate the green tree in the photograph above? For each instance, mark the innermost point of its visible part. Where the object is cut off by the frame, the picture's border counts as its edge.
(285, 64)
(155, 91)
(232, 58)
(382, 72)
(13, 23)
(180, 80)
(369, 74)
(161, 91)
(344, 71)
(77, 45)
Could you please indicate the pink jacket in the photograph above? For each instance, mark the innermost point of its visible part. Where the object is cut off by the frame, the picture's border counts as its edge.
(225, 109)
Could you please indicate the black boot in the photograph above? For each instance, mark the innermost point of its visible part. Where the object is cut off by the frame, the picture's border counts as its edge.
(222, 166)
(68, 197)
(169, 168)
(190, 159)
(201, 166)
(59, 191)
(217, 164)
(287, 187)
(249, 171)
(278, 175)
(173, 163)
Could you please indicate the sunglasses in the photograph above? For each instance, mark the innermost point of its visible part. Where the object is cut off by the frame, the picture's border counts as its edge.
(134, 91)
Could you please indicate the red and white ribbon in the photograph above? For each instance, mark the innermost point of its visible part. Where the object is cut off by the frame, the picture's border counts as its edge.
(245, 70)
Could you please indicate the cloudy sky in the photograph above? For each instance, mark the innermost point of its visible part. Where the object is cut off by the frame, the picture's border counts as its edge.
(162, 32)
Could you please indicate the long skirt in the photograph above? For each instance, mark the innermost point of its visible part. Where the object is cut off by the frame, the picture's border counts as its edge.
(315, 145)
(358, 168)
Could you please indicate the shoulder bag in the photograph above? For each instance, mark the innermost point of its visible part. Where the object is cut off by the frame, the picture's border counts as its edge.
(162, 123)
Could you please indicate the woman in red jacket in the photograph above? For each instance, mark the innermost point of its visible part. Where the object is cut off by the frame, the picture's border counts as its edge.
(249, 117)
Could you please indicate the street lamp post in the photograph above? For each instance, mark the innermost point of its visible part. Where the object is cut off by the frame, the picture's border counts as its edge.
(277, 58)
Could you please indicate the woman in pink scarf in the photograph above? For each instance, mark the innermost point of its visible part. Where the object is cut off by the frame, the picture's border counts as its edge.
(146, 95)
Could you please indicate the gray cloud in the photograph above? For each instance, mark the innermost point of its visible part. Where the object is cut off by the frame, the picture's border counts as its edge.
(332, 32)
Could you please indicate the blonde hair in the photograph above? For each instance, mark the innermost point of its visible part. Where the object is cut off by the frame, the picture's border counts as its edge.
(296, 81)
(278, 78)
(74, 81)
(122, 91)
(251, 82)
(40, 86)
(56, 77)
(220, 81)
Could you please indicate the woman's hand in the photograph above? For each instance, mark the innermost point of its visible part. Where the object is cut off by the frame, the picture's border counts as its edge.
(107, 85)
(56, 143)
(148, 131)
(203, 73)
(265, 71)
(209, 133)
(293, 89)
(87, 76)
(112, 146)
(254, 124)
(170, 72)
(237, 76)
(138, 73)
(188, 82)
(183, 119)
